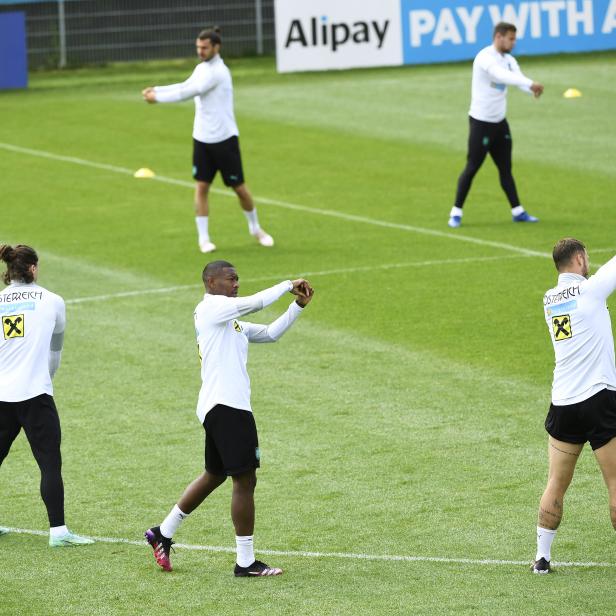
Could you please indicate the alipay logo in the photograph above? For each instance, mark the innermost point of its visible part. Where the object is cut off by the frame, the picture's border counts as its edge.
(321, 32)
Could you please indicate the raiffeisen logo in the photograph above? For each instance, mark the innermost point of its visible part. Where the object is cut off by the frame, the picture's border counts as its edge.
(320, 32)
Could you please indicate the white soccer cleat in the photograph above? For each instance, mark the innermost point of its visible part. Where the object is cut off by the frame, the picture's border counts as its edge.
(69, 540)
(264, 238)
(207, 246)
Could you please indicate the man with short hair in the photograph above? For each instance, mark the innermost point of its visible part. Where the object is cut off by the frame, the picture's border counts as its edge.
(494, 68)
(215, 135)
(224, 410)
(583, 404)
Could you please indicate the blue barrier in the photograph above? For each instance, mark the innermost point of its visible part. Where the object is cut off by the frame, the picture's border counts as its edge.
(446, 30)
(13, 56)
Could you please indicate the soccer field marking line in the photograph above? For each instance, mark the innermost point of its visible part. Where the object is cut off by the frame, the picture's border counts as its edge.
(284, 204)
(344, 270)
(333, 555)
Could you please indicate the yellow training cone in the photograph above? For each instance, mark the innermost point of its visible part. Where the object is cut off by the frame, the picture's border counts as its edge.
(144, 172)
(572, 93)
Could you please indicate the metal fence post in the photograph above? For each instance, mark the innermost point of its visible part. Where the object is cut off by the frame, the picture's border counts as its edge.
(259, 25)
(62, 33)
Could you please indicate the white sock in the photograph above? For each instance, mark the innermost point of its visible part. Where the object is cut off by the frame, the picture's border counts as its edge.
(517, 210)
(58, 531)
(253, 224)
(245, 551)
(545, 536)
(172, 522)
(456, 211)
(202, 228)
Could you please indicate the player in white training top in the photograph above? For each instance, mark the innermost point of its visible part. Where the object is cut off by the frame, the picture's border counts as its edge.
(494, 68)
(583, 406)
(231, 442)
(215, 135)
(33, 322)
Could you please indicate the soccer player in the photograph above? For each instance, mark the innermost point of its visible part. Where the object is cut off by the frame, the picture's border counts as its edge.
(231, 443)
(583, 404)
(494, 68)
(33, 321)
(215, 135)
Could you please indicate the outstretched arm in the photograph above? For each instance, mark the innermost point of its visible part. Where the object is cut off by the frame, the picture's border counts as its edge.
(510, 78)
(199, 82)
(514, 77)
(222, 308)
(272, 332)
(603, 283)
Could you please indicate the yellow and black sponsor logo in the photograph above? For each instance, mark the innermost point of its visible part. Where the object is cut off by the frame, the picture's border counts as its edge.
(561, 326)
(237, 327)
(13, 326)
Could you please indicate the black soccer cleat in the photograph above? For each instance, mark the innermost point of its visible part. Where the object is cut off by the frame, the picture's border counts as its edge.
(541, 566)
(257, 569)
(161, 546)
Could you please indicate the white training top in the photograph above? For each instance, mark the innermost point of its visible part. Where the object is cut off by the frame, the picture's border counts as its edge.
(579, 323)
(31, 315)
(223, 344)
(211, 86)
(492, 73)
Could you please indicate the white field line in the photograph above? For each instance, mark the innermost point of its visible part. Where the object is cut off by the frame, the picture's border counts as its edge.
(346, 270)
(284, 204)
(339, 555)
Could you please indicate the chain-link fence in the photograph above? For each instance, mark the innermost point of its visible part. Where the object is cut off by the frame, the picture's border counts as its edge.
(79, 32)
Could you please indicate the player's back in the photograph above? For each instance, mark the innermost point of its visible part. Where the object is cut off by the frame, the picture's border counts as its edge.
(30, 313)
(581, 332)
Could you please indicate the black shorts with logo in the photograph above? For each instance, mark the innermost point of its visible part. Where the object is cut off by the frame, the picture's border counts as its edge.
(592, 420)
(231, 442)
(224, 156)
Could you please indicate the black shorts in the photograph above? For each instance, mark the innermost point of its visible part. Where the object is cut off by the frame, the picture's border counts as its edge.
(208, 158)
(592, 420)
(39, 419)
(231, 443)
(492, 137)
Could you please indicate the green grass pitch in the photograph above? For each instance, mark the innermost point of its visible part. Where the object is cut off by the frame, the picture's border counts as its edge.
(402, 415)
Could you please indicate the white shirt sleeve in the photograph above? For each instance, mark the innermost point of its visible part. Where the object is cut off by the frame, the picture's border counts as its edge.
(60, 317)
(513, 77)
(272, 332)
(201, 80)
(510, 78)
(57, 338)
(226, 308)
(603, 283)
(517, 71)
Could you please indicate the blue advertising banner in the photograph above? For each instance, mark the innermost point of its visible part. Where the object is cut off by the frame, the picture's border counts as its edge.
(13, 56)
(336, 34)
(446, 30)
